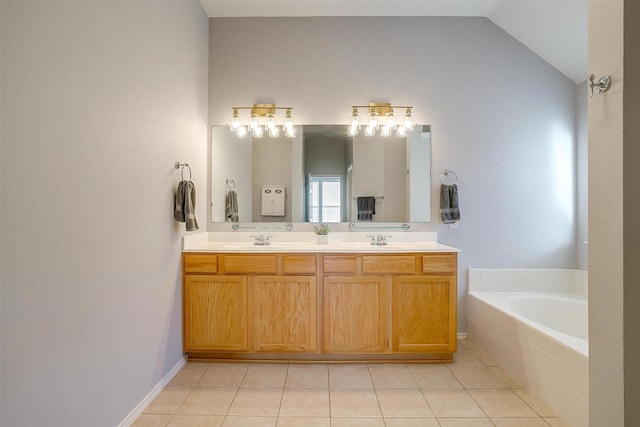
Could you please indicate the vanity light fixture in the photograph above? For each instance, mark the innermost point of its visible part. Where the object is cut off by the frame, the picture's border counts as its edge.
(381, 117)
(262, 119)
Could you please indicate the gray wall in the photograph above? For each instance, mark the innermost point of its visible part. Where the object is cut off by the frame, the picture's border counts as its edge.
(99, 99)
(502, 118)
(271, 166)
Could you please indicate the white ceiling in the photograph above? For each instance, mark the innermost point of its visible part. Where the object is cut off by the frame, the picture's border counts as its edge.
(556, 30)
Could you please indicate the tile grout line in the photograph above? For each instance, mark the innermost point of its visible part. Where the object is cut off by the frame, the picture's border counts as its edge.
(284, 386)
(224, 419)
(422, 392)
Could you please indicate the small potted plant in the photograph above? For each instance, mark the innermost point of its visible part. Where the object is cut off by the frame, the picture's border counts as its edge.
(322, 233)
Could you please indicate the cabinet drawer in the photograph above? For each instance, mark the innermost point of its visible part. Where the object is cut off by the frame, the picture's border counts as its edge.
(388, 264)
(200, 263)
(250, 264)
(445, 263)
(299, 264)
(339, 264)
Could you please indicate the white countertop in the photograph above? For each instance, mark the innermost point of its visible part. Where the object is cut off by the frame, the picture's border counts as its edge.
(339, 242)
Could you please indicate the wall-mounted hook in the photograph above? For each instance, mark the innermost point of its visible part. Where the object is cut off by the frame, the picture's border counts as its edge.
(603, 84)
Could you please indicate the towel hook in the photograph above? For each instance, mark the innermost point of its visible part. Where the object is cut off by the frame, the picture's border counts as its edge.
(182, 165)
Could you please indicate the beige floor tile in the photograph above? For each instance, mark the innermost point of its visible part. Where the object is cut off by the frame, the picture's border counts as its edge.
(476, 377)
(151, 420)
(224, 375)
(505, 377)
(469, 344)
(357, 422)
(519, 422)
(265, 375)
(305, 403)
(461, 345)
(307, 376)
(235, 421)
(434, 376)
(535, 403)
(465, 422)
(465, 358)
(196, 421)
(354, 403)
(208, 401)
(403, 403)
(190, 374)
(501, 403)
(411, 422)
(484, 357)
(259, 402)
(555, 422)
(168, 400)
(303, 422)
(349, 376)
(391, 376)
(452, 403)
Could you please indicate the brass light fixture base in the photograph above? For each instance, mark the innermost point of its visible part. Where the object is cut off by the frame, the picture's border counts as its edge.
(382, 108)
(263, 109)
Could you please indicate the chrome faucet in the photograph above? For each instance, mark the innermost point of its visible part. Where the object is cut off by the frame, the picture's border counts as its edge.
(379, 240)
(261, 240)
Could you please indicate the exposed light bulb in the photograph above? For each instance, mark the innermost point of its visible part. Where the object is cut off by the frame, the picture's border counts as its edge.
(235, 120)
(290, 132)
(401, 131)
(274, 132)
(391, 120)
(253, 121)
(271, 122)
(352, 130)
(355, 123)
(408, 121)
(369, 131)
(258, 132)
(288, 122)
(373, 120)
(385, 131)
(241, 132)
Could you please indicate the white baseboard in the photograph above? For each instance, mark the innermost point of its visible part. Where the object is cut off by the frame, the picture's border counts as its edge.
(462, 335)
(153, 393)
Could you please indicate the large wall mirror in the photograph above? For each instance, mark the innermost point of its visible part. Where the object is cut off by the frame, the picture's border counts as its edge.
(321, 175)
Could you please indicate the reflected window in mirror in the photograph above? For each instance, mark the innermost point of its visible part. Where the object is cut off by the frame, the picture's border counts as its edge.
(325, 197)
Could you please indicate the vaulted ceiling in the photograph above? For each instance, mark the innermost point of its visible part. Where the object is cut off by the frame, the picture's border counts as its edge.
(556, 30)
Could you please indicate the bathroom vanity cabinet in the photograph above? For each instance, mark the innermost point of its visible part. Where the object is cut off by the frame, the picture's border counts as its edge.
(320, 306)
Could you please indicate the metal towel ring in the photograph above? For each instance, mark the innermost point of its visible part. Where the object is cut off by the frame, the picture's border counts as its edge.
(182, 165)
(446, 174)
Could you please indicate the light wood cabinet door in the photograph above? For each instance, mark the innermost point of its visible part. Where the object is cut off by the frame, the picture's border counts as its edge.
(215, 313)
(424, 313)
(284, 313)
(355, 314)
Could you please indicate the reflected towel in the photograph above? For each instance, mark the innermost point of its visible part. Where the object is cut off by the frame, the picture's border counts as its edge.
(449, 206)
(366, 208)
(231, 206)
(185, 205)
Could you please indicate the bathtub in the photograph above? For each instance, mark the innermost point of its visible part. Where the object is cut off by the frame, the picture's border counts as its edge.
(534, 323)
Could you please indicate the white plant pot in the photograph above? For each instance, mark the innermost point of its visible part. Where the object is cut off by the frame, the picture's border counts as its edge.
(322, 239)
